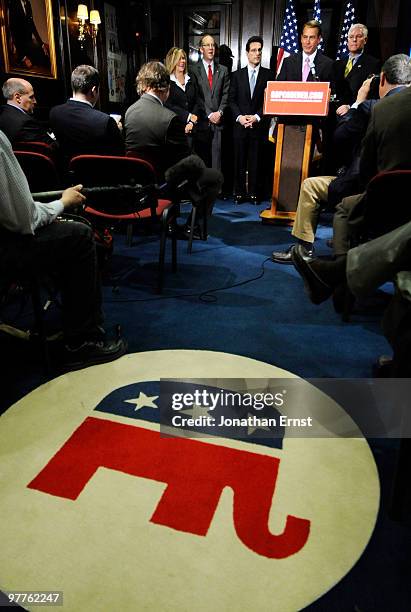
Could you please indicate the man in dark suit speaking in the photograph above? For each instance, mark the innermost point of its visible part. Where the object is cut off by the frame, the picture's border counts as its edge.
(246, 99)
(310, 64)
(156, 134)
(80, 128)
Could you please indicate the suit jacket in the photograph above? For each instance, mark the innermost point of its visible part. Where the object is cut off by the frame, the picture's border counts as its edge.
(216, 97)
(387, 143)
(21, 126)
(182, 103)
(81, 129)
(346, 88)
(348, 136)
(292, 68)
(241, 102)
(156, 133)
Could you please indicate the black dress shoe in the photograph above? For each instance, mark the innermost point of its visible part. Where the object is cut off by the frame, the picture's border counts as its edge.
(253, 199)
(284, 257)
(92, 353)
(239, 199)
(318, 290)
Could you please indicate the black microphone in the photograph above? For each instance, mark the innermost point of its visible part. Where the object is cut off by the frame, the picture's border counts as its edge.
(188, 169)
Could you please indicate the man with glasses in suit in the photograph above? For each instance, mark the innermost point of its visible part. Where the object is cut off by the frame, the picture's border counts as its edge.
(214, 81)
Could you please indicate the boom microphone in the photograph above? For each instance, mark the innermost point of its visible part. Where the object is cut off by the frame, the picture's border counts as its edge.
(188, 169)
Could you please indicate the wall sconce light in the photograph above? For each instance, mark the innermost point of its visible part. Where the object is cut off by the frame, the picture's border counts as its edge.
(85, 29)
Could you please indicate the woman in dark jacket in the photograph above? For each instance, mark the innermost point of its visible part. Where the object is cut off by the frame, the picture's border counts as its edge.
(186, 98)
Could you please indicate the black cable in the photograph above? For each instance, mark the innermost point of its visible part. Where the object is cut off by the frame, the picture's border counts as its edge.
(204, 296)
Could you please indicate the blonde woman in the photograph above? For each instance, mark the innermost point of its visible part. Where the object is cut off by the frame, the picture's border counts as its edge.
(185, 97)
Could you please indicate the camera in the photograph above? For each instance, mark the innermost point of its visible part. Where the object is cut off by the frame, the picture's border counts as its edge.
(374, 87)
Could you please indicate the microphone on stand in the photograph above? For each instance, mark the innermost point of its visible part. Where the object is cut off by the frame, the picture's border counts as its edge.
(313, 72)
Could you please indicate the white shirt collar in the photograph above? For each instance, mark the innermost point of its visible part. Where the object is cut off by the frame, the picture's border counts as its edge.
(355, 56)
(310, 57)
(251, 69)
(154, 96)
(16, 106)
(177, 82)
(83, 101)
(207, 64)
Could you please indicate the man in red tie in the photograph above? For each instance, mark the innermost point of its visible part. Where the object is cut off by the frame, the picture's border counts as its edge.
(214, 81)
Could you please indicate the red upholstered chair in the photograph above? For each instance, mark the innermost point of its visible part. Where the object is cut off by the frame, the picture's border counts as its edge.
(130, 206)
(40, 171)
(146, 155)
(35, 147)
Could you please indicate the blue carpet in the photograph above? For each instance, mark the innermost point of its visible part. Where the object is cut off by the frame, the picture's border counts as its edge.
(269, 319)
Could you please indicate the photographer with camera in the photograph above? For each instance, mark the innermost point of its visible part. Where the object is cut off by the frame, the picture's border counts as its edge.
(386, 146)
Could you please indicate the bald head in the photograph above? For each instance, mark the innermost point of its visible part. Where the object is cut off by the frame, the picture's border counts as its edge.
(19, 92)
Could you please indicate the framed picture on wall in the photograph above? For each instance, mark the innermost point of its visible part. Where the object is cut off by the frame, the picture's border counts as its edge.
(28, 38)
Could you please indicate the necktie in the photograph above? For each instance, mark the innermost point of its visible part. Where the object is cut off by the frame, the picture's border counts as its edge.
(348, 67)
(210, 76)
(252, 82)
(306, 69)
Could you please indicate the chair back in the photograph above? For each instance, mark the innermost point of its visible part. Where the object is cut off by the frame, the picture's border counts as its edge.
(107, 170)
(388, 202)
(35, 147)
(40, 171)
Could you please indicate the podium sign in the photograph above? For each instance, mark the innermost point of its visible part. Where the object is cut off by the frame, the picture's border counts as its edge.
(295, 98)
(294, 140)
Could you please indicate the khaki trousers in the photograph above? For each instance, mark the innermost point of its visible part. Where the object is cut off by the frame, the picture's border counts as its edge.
(314, 190)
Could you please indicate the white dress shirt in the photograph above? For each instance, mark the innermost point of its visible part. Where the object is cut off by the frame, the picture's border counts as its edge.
(18, 211)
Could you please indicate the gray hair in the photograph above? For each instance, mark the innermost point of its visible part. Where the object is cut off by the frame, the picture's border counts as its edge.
(359, 26)
(397, 69)
(84, 78)
(13, 86)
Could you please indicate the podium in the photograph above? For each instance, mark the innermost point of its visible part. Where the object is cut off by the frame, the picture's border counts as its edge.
(296, 104)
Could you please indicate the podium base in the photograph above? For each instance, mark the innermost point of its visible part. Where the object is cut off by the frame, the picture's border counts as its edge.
(276, 217)
(291, 167)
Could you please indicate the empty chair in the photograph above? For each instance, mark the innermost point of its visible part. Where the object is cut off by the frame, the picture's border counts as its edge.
(130, 206)
(35, 147)
(40, 171)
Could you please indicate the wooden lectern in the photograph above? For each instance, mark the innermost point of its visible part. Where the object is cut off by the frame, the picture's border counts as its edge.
(295, 103)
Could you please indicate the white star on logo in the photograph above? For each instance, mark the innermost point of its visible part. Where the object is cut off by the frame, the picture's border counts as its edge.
(143, 401)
